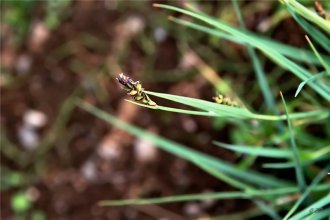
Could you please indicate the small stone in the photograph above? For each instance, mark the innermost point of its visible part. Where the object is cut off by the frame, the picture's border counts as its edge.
(144, 150)
(28, 137)
(23, 64)
(133, 25)
(189, 125)
(88, 170)
(160, 34)
(38, 36)
(192, 209)
(34, 118)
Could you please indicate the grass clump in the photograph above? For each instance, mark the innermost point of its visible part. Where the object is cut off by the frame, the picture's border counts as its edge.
(264, 188)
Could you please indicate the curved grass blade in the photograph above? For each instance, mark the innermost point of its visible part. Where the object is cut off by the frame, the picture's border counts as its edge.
(259, 72)
(257, 151)
(215, 108)
(308, 190)
(232, 112)
(300, 72)
(289, 165)
(267, 209)
(222, 176)
(308, 14)
(186, 153)
(286, 50)
(176, 110)
(319, 57)
(320, 215)
(207, 196)
(306, 212)
(303, 83)
(298, 167)
(315, 33)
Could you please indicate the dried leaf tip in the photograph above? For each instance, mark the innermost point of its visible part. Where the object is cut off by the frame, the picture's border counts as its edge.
(135, 90)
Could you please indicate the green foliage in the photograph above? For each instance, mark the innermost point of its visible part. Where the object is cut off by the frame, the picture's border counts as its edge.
(289, 146)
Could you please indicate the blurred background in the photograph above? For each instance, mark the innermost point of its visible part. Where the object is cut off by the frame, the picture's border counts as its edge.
(58, 161)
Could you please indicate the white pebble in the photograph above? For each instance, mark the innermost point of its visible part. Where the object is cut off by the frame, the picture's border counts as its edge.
(34, 118)
(23, 64)
(192, 209)
(28, 137)
(134, 24)
(88, 170)
(189, 125)
(108, 150)
(144, 150)
(160, 34)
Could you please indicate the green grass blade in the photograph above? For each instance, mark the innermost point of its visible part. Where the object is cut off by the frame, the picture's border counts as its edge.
(303, 83)
(258, 151)
(286, 50)
(176, 110)
(186, 153)
(267, 209)
(318, 36)
(263, 83)
(308, 14)
(320, 215)
(208, 196)
(278, 58)
(308, 190)
(298, 167)
(319, 57)
(289, 165)
(306, 212)
(218, 110)
(214, 108)
(204, 165)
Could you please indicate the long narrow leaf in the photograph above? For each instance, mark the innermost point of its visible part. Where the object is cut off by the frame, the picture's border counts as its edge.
(208, 196)
(308, 14)
(318, 36)
(258, 151)
(300, 72)
(298, 167)
(307, 211)
(316, 180)
(186, 153)
(218, 110)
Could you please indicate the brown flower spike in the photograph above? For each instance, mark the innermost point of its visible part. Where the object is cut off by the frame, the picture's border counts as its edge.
(135, 90)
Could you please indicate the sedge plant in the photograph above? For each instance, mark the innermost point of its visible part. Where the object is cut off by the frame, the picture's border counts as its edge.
(279, 198)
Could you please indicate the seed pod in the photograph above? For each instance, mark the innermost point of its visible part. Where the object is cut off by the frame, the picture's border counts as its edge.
(135, 90)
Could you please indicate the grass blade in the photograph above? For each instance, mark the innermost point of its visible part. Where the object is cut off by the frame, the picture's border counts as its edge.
(306, 212)
(315, 33)
(308, 14)
(186, 153)
(303, 83)
(218, 110)
(258, 151)
(263, 83)
(316, 180)
(286, 50)
(300, 72)
(207, 196)
(319, 57)
(298, 167)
